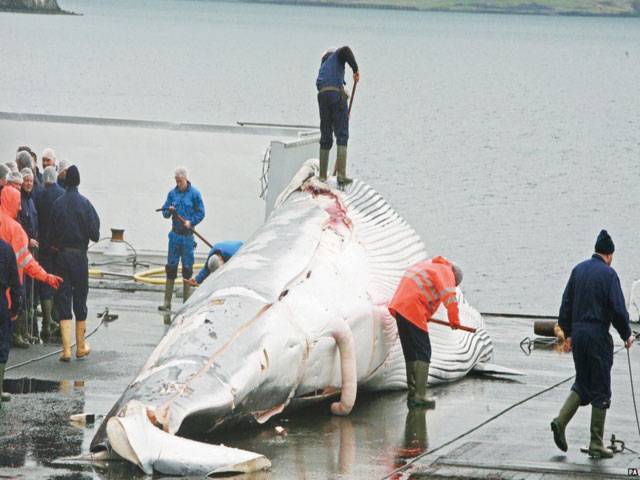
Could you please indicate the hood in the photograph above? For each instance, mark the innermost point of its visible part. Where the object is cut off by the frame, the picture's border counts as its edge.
(10, 201)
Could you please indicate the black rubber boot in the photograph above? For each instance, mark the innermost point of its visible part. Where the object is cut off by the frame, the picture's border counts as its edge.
(324, 164)
(4, 397)
(341, 167)
(559, 424)
(186, 291)
(421, 399)
(596, 446)
(411, 381)
(168, 293)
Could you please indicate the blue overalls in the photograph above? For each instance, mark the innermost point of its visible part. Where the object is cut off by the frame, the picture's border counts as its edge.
(591, 302)
(226, 250)
(44, 205)
(332, 102)
(9, 289)
(188, 205)
(74, 222)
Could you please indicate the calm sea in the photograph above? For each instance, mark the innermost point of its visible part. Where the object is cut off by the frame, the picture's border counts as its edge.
(508, 142)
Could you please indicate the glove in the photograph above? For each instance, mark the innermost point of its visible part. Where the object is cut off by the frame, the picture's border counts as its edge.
(53, 281)
(454, 325)
(629, 341)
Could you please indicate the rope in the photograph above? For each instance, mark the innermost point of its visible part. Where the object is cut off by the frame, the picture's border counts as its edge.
(482, 424)
(633, 393)
(51, 354)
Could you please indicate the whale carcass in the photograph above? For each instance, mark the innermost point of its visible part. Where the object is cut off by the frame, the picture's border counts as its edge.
(298, 314)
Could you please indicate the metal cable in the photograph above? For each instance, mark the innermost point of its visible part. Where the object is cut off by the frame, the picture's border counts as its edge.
(633, 393)
(50, 354)
(480, 425)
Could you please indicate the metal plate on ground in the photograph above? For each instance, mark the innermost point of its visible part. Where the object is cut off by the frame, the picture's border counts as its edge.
(492, 460)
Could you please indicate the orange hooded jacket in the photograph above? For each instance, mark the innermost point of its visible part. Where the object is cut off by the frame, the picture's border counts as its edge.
(422, 289)
(12, 233)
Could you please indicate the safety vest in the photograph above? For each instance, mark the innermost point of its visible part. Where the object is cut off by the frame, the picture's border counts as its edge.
(13, 234)
(422, 289)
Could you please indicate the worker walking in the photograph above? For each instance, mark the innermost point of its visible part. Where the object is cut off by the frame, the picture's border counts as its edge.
(73, 223)
(591, 302)
(422, 289)
(11, 302)
(334, 113)
(13, 234)
(220, 253)
(185, 207)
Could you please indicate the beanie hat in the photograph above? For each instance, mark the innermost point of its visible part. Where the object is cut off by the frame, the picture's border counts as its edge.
(73, 177)
(604, 244)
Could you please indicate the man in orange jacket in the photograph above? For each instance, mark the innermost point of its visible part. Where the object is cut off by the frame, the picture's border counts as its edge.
(13, 234)
(422, 289)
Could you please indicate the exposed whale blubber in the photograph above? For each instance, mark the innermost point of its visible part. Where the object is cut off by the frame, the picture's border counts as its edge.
(298, 313)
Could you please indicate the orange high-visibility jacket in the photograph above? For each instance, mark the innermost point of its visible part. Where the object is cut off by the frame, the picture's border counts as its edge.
(422, 288)
(12, 233)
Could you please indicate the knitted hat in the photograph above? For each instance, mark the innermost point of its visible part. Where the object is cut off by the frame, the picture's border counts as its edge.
(604, 244)
(73, 177)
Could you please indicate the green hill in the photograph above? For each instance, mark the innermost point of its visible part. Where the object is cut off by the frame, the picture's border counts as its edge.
(629, 8)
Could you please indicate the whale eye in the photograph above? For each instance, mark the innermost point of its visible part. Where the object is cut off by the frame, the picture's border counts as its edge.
(283, 294)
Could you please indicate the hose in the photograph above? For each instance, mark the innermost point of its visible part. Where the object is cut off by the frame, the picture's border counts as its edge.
(51, 354)
(633, 393)
(157, 276)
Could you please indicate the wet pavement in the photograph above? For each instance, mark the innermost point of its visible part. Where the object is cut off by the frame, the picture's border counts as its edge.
(379, 436)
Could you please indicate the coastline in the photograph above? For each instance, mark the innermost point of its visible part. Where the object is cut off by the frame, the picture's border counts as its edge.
(531, 8)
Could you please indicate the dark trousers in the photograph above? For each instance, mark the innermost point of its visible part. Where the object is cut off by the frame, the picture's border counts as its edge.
(334, 119)
(6, 329)
(592, 348)
(415, 342)
(72, 265)
(45, 291)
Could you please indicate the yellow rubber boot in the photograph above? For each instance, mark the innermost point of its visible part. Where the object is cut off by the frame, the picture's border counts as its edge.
(65, 334)
(82, 347)
(324, 164)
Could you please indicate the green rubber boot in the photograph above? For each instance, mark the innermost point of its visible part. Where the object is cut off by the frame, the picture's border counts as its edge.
(596, 446)
(4, 397)
(559, 424)
(18, 339)
(411, 381)
(341, 167)
(168, 293)
(324, 164)
(421, 371)
(47, 321)
(186, 291)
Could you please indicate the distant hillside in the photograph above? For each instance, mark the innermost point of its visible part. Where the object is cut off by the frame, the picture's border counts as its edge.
(36, 6)
(623, 8)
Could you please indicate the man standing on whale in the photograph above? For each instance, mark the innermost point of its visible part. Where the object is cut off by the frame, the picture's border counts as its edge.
(591, 302)
(334, 112)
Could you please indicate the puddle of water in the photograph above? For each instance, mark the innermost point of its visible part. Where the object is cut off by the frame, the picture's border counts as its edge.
(22, 386)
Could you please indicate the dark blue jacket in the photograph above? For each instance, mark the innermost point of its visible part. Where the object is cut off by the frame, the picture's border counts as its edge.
(28, 216)
(226, 249)
(593, 296)
(74, 221)
(44, 205)
(331, 73)
(188, 204)
(9, 279)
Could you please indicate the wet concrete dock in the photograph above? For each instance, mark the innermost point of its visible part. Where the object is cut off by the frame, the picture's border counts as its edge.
(378, 437)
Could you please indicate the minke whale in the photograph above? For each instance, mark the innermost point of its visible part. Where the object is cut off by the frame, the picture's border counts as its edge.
(299, 314)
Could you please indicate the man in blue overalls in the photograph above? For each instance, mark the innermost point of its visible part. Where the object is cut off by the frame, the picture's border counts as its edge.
(11, 301)
(591, 302)
(184, 205)
(219, 254)
(334, 113)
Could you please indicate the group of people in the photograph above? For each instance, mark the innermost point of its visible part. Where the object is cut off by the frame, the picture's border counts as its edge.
(45, 229)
